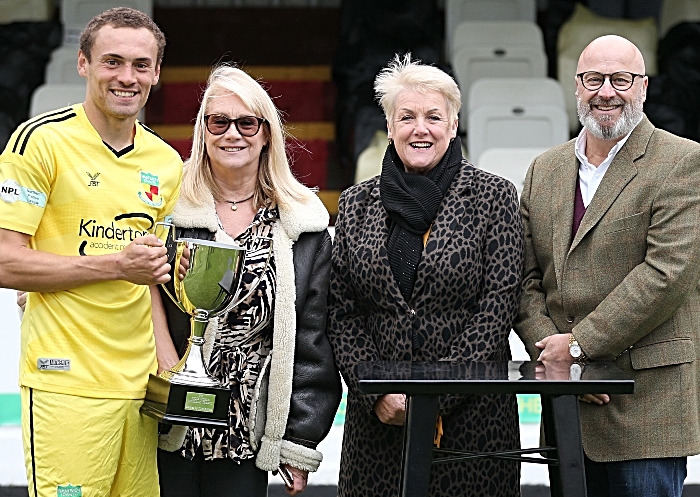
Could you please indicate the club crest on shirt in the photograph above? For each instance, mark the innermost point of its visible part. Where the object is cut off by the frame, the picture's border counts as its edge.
(150, 189)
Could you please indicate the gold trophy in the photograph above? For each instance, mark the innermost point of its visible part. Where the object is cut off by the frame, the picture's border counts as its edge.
(187, 394)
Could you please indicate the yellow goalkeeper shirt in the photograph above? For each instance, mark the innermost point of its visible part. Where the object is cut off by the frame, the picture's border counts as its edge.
(74, 195)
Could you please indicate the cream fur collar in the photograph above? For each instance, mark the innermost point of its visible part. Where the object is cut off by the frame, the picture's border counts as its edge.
(309, 215)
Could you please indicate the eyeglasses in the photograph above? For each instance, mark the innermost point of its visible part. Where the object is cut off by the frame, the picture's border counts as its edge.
(246, 125)
(621, 80)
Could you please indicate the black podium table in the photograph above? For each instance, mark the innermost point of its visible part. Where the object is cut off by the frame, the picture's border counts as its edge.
(558, 384)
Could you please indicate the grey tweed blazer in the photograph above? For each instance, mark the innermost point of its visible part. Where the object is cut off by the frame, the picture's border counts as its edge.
(626, 286)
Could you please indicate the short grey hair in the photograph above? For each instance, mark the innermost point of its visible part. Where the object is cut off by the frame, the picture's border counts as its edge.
(403, 73)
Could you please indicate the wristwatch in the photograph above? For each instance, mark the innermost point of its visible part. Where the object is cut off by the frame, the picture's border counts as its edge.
(575, 371)
(575, 349)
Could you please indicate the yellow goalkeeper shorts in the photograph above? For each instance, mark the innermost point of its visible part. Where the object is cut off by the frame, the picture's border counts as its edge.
(85, 447)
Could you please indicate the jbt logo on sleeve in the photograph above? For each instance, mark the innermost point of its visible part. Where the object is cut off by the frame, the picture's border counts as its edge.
(11, 192)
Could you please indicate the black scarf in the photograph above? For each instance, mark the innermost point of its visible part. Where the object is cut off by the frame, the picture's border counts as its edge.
(412, 202)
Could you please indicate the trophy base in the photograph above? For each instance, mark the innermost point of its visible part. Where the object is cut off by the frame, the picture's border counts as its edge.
(192, 405)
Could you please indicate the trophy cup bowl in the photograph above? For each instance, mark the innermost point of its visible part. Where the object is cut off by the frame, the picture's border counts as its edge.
(187, 394)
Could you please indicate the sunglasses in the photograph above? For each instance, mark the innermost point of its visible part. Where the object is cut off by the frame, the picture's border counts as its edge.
(246, 125)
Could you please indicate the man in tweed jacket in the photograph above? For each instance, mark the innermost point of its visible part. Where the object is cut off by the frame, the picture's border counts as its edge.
(612, 262)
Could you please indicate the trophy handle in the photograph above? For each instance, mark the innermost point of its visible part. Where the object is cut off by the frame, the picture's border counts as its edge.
(256, 281)
(169, 373)
(170, 240)
(173, 254)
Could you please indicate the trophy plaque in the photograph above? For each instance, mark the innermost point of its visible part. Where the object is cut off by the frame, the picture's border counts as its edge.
(187, 394)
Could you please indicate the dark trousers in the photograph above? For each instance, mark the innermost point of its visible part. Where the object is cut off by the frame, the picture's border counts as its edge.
(636, 478)
(180, 477)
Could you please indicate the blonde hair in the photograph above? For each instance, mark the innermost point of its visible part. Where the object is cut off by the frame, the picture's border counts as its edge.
(276, 183)
(402, 74)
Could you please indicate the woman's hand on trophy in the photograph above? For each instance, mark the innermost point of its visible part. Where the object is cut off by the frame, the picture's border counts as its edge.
(184, 263)
(21, 299)
(144, 261)
(166, 356)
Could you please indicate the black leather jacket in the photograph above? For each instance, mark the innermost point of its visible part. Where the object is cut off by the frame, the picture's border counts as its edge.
(316, 388)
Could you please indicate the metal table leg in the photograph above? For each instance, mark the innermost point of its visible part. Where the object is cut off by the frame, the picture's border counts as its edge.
(562, 429)
(419, 431)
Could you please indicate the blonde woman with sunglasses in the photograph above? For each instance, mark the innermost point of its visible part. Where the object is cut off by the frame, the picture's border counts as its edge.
(238, 186)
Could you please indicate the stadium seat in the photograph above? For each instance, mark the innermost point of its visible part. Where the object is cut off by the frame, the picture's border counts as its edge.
(509, 126)
(510, 163)
(49, 97)
(515, 91)
(677, 11)
(63, 67)
(497, 34)
(458, 11)
(75, 14)
(26, 11)
(369, 162)
(507, 58)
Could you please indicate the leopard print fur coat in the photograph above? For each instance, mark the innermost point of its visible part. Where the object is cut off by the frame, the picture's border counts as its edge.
(463, 305)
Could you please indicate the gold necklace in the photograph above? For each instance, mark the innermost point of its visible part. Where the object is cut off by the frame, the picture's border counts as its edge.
(234, 202)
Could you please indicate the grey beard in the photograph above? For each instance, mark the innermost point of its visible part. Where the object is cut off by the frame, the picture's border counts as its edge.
(630, 117)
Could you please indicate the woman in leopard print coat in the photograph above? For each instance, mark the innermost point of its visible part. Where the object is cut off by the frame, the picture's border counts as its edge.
(426, 266)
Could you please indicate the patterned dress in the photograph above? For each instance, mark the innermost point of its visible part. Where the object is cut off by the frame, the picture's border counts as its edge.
(243, 341)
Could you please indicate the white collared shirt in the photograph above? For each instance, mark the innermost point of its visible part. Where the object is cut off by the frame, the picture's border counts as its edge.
(589, 175)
